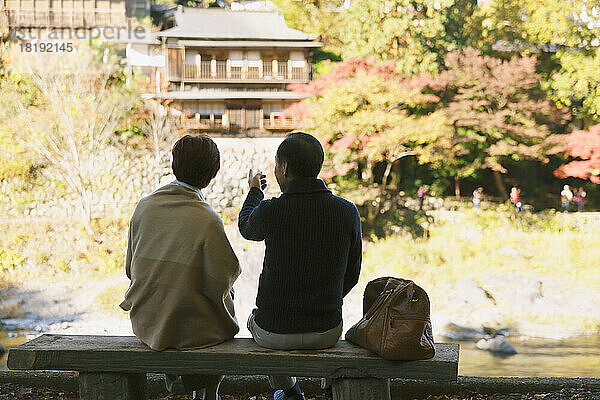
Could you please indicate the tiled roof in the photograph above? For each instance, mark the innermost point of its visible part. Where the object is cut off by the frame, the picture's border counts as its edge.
(215, 23)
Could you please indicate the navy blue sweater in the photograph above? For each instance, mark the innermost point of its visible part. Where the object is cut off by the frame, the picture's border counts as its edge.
(312, 257)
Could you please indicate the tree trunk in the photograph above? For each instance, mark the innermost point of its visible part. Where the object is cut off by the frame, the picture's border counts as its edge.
(86, 205)
(500, 184)
(368, 172)
(386, 175)
(457, 187)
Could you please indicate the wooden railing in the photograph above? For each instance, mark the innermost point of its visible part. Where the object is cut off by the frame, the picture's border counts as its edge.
(223, 71)
(206, 122)
(65, 18)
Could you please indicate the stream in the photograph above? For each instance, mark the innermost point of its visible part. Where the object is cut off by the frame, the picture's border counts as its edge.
(574, 357)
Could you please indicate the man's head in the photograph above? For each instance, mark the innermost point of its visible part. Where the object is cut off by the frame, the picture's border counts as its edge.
(196, 160)
(300, 155)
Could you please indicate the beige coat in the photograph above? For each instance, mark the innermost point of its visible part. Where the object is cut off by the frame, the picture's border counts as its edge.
(182, 269)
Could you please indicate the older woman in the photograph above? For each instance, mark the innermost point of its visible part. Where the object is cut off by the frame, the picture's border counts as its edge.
(181, 264)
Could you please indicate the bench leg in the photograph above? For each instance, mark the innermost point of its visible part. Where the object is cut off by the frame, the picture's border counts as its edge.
(361, 389)
(111, 386)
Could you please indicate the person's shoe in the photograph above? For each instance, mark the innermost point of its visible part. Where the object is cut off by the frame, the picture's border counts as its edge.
(293, 393)
(199, 395)
(170, 381)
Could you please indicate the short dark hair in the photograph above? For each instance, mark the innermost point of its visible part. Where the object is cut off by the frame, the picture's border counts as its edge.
(196, 160)
(303, 154)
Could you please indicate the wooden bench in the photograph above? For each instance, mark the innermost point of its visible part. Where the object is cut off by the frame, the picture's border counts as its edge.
(115, 367)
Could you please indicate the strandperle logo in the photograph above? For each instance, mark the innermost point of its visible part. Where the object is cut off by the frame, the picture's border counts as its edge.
(130, 31)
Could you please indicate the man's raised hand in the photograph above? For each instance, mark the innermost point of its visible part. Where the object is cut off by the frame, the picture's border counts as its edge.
(258, 180)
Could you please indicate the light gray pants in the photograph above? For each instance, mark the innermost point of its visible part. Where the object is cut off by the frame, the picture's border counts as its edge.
(291, 341)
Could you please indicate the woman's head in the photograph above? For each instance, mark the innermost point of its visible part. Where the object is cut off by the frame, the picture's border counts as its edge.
(196, 160)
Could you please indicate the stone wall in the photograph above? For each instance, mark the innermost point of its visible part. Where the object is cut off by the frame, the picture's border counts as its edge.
(123, 177)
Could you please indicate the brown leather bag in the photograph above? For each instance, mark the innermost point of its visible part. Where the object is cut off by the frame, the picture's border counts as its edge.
(395, 322)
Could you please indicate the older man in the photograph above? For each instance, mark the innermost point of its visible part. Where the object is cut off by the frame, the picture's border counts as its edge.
(312, 257)
(181, 264)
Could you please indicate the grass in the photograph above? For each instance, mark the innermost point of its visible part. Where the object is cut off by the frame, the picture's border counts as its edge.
(455, 246)
(469, 244)
(111, 296)
(60, 249)
(556, 250)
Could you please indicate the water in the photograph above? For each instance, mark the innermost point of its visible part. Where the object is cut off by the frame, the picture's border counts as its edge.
(8, 340)
(575, 357)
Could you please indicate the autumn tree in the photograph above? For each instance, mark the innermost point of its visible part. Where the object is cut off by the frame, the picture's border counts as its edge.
(81, 103)
(498, 112)
(584, 147)
(366, 114)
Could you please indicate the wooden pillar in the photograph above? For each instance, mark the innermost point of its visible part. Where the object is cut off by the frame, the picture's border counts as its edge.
(213, 68)
(289, 69)
(260, 69)
(244, 115)
(166, 56)
(261, 121)
(228, 68)
(274, 70)
(112, 386)
(363, 389)
(245, 67)
(198, 72)
(182, 69)
(157, 80)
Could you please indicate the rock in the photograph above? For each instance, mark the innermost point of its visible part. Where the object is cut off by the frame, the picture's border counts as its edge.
(18, 324)
(506, 331)
(457, 332)
(496, 345)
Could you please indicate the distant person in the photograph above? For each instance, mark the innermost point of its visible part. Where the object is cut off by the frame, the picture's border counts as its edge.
(579, 198)
(312, 257)
(477, 197)
(421, 193)
(566, 196)
(181, 265)
(515, 199)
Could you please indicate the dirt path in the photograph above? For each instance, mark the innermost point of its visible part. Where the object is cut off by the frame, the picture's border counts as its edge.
(64, 306)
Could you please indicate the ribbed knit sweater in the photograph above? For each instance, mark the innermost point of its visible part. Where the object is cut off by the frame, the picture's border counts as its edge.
(312, 257)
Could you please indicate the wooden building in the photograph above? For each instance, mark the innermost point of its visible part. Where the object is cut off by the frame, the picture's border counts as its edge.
(227, 71)
(70, 14)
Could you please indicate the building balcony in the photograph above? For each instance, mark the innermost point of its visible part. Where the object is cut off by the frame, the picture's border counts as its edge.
(236, 120)
(64, 18)
(223, 71)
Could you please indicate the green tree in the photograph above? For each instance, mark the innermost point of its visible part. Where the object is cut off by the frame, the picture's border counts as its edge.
(322, 18)
(415, 33)
(577, 83)
(16, 162)
(568, 29)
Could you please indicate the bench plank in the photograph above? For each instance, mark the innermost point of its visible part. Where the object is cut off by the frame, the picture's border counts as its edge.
(127, 354)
